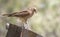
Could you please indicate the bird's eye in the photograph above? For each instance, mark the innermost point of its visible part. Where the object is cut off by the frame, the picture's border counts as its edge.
(34, 10)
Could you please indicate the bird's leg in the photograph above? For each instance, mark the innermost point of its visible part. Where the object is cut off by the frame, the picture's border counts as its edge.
(23, 20)
(22, 31)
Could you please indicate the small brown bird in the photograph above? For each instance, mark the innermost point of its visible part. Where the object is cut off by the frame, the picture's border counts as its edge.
(23, 15)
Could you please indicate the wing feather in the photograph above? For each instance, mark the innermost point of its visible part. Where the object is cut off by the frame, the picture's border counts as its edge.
(18, 14)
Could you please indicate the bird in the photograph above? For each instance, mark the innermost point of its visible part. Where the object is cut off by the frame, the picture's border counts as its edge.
(23, 15)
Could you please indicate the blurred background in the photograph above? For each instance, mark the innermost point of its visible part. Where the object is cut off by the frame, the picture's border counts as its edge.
(45, 22)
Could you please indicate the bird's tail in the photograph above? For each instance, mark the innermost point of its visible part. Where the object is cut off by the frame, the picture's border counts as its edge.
(9, 15)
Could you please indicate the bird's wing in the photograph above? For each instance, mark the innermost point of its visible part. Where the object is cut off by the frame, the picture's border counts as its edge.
(22, 14)
(17, 14)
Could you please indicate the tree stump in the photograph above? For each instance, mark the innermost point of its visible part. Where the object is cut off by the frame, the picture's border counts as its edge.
(15, 31)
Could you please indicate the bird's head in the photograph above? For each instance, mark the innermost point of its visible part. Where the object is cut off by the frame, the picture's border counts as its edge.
(33, 9)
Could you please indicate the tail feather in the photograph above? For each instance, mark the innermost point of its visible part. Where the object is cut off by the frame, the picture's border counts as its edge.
(9, 15)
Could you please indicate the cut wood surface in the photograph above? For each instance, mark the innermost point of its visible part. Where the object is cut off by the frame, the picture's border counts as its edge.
(15, 31)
